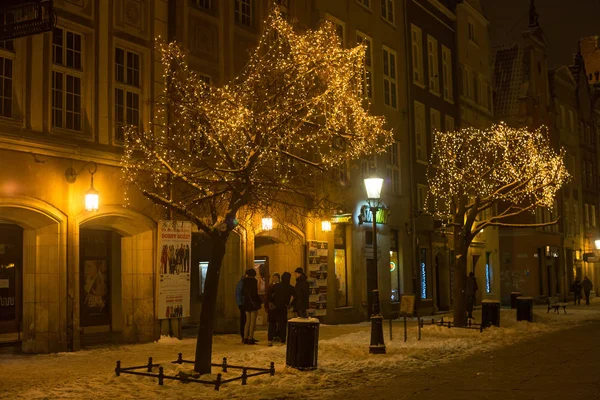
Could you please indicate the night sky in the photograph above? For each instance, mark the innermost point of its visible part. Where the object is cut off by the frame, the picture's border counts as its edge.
(563, 22)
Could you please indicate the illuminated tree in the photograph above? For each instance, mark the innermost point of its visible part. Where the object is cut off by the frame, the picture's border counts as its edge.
(507, 171)
(269, 140)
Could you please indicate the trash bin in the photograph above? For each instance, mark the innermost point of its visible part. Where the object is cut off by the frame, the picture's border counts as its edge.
(302, 343)
(513, 299)
(490, 313)
(525, 309)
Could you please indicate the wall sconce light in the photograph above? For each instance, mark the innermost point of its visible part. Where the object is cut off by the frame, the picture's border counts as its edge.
(326, 226)
(91, 196)
(597, 243)
(267, 224)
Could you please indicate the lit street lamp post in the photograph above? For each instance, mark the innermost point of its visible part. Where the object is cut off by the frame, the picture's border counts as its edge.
(373, 187)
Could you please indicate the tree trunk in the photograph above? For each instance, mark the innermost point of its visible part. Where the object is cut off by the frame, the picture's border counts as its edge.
(202, 362)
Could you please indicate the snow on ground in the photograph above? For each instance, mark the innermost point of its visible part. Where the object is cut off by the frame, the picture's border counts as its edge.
(344, 361)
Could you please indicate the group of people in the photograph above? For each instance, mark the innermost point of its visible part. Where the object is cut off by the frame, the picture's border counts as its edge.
(173, 256)
(577, 286)
(279, 297)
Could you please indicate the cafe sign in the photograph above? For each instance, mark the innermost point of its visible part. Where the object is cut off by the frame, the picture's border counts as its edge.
(367, 216)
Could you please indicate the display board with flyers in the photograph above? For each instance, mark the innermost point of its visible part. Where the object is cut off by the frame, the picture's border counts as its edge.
(317, 260)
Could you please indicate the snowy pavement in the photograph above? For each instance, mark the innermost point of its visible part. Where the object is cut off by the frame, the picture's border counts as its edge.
(344, 361)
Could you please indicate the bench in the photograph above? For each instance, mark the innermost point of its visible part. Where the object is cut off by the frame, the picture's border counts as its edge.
(554, 304)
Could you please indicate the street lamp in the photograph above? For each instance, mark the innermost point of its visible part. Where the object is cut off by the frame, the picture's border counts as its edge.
(373, 188)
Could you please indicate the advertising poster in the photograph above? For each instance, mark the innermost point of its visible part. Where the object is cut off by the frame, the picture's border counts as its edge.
(174, 244)
(318, 256)
(95, 306)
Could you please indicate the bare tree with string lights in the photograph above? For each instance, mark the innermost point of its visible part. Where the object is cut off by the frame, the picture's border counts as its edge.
(270, 139)
(508, 171)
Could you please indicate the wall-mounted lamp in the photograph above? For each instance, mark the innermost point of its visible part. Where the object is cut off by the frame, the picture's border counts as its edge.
(91, 196)
(267, 224)
(326, 226)
(597, 243)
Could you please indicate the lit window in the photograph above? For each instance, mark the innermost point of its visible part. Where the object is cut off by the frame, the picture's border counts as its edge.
(389, 78)
(341, 266)
(243, 12)
(66, 79)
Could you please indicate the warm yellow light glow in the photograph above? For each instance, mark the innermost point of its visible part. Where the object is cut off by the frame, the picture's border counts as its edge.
(597, 243)
(91, 200)
(373, 187)
(326, 226)
(267, 224)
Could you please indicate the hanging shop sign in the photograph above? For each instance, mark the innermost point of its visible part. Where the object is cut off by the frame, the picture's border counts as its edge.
(174, 244)
(318, 259)
(342, 219)
(366, 216)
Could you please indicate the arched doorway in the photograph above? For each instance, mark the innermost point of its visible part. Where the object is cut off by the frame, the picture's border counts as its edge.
(115, 258)
(11, 279)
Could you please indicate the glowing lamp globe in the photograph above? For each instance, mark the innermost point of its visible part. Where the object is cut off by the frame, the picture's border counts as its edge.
(373, 187)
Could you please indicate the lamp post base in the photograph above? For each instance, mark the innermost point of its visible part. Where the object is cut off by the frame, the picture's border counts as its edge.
(377, 344)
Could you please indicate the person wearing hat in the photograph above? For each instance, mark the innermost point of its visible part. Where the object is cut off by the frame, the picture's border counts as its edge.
(270, 309)
(301, 298)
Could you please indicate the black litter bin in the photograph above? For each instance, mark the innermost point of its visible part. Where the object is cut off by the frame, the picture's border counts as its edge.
(490, 313)
(513, 299)
(302, 343)
(525, 309)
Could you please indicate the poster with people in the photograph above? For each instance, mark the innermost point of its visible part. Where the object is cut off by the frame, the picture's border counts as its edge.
(174, 243)
(318, 259)
(95, 305)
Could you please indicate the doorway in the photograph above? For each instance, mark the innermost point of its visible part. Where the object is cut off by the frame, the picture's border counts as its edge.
(11, 278)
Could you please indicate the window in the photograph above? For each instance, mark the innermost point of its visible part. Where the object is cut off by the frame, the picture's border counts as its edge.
(488, 274)
(590, 176)
(563, 120)
(586, 214)
(206, 4)
(393, 167)
(432, 65)
(576, 219)
(447, 73)
(341, 265)
(369, 166)
(424, 274)
(417, 55)
(367, 89)
(365, 3)
(395, 268)
(434, 121)
(472, 32)
(583, 173)
(389, 78)
(66, 79)
(243, 12)
(387, 10)
(206, 79)
(476, 97)
(202, 270)
(6, 85)
(127, 91)
(422, 197)
(340, 28)
(7, 18)
(420, 137)
(448, 123)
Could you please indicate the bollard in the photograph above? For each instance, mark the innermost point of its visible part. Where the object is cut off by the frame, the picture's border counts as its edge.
(118, 369)
(149, 364)
(272, 369)
(180, 358)
(161, 376)
(224, 364)
(244, 376)
(218, 382)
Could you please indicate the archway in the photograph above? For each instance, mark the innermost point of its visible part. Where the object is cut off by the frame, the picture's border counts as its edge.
(33, 243)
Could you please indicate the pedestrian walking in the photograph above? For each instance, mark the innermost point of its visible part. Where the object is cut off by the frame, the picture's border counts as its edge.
(576, 288)
(239, 300)
(281, 296)
(251, 304)
(470, 291)
(270, 309)
(587, 288)
(301, 298)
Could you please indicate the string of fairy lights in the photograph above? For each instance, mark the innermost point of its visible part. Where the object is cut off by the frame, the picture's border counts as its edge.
(294, 111)
(482, 167)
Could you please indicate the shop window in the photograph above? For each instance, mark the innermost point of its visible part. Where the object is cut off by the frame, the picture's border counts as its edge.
(488, 274)
(341, 266)
(202, 270)
(395, 267)
(424, 272)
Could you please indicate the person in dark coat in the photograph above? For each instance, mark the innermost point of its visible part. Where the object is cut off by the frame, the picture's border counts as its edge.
(587, 288)
(470, 291)
(239, 300)
(302, 293)
(281, 296)
(270, 309)
(251, 305)
(576, 288)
